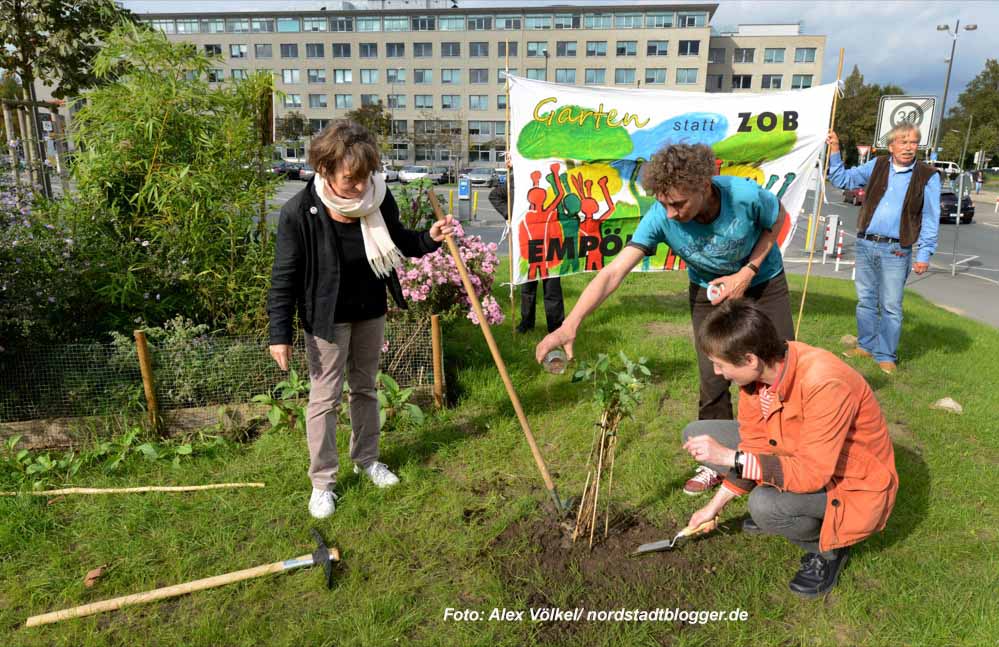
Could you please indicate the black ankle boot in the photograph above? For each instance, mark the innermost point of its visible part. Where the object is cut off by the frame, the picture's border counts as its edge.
(751, 527)
(817, 574)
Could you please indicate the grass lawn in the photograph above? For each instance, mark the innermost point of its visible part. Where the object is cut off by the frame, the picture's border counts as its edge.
(466, 528)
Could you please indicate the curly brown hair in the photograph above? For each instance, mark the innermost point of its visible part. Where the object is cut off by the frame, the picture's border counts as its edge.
(348, 142)
(679, 166)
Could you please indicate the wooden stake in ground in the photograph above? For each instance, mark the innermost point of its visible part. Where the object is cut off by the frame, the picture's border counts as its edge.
(600, 467)
(131, 490)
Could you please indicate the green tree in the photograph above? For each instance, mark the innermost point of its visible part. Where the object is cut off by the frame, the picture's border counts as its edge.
(981, 99)
(857, 113)
(293, 126)
(378, 121)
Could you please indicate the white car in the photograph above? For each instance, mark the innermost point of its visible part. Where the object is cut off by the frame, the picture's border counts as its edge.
(950, 169)
(389, 173)
(412, 173)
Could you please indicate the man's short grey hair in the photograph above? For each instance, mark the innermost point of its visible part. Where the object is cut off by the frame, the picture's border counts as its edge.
(903, 129)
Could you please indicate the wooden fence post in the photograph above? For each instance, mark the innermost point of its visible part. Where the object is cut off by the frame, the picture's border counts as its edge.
(146, 366)
(435, 339)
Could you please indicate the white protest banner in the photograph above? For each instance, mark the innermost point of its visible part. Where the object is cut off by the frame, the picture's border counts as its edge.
(578, 152)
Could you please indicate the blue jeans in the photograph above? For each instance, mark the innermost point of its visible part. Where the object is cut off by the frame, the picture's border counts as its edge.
(882, 269)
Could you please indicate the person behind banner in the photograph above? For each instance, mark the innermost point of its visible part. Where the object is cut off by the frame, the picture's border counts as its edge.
(339, 241)
(725, 228)
(901, 209)
(552, 286)
(810, 448)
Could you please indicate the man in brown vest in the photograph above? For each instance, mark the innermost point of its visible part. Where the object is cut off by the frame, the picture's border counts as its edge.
(901, 209)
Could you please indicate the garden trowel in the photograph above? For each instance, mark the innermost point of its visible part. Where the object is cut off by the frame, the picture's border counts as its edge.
(667, 544)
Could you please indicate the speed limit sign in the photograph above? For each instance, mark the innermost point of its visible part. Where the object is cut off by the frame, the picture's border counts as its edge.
(897, 110)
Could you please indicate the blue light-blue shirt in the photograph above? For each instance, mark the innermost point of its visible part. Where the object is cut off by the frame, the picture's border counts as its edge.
(888, 214)
(721, 247)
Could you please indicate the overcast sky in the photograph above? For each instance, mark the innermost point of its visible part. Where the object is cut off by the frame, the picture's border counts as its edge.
(892, 41)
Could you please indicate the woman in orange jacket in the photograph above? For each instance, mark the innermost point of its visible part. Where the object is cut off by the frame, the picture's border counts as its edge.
(810, 447)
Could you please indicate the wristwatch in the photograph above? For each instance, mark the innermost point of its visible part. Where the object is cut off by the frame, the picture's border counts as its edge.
(752, 266)
(737, 461)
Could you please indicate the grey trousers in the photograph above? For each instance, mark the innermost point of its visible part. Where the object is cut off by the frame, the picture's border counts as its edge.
(354, 351)
(797, 517)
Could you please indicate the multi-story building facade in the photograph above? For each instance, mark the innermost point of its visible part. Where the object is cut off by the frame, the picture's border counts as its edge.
(440, 70)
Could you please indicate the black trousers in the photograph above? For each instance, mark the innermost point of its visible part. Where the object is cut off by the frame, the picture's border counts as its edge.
(772, 296)
(554, 306)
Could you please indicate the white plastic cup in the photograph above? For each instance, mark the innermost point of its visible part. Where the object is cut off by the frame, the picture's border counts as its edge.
(555, 362)
(715, 290)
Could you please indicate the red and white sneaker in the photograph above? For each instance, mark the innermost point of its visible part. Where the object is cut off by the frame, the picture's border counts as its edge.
(704, 479)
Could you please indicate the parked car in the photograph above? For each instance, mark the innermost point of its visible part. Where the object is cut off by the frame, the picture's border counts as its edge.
(390, 174)
(482, 176)
(306, 173)
(413, 173)
(948, 202)
(286, 169)
(443, 174)
(949, 169)
(854, 196)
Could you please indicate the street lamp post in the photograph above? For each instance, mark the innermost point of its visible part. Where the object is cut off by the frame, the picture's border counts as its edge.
(950, 64)
(545, 52)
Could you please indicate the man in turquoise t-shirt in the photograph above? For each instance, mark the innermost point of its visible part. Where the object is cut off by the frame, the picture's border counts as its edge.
(725, 229)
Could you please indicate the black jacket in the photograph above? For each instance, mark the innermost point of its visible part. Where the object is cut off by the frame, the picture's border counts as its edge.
(497, 197)
(306, 273)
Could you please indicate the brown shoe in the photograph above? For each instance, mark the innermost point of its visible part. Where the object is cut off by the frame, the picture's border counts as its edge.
(888, 367)
(856, 352)
(704, 480)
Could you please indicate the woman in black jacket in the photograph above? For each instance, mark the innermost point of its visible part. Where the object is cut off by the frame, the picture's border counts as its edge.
(338, 244)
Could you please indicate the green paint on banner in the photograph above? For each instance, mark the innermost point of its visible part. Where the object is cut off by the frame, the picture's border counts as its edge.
(538, 140)
(755, 147)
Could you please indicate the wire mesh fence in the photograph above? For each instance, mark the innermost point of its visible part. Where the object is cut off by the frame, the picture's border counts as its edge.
(104, 379)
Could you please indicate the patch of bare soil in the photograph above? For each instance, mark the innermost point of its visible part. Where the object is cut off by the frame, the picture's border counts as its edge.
(537, 558)
(669, 329)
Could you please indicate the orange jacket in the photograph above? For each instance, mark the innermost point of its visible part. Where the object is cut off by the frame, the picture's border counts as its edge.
(825, 431)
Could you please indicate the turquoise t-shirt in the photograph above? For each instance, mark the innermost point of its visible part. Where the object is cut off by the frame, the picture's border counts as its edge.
(722, 247)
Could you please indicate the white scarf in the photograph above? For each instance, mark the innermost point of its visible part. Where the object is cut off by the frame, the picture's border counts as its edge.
(382, 253)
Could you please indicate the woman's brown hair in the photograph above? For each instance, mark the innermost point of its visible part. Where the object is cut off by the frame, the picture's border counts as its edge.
(736, 328)
(344, 143)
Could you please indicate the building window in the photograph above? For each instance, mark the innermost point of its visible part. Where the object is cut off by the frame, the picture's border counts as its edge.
(452, 23)
(216, 50)
(424, 101)
(693, 19)
(537, 74)
(628, 21)
(565, 48)
(317, 100)
(187, 27)
(502, 47)
(450, 102)
(424, 23)
(316, 75)
(291, 76)
(690, 47)
(238, 74)
(292, 101)
(400, 151)
(370, 100)
(395, 50)
(658, 20)
(423, 50)
(501, 102)
(452, 76)
(480, 23)
(657, 48)
(565, 75)
(804, 55)
(369, 77)
(743, 55)
(686, 76)
(567, 21)
(716, 55)
(715, 82)
(801, 81)
(501, 74)
(596, 48)
(655, 76)
(450, 50)
(773, 55)
(234, 25)
(480, 128)
(343, 76)
(742, 81)
(624, 75)
(772, 81)
(314, 24)
(478, 49)
(213, 26)
(537, 48)
(597, 21)
(395, 75)
(289, 50)
(369, 24)
(216, 75)
(478, 102)
(538, 22)
(315, 50)
(263, 50)
(423, 76)
(366, 50)
(595, 76)
(627, 48)
(317, 125)
(508, 22)
(397, 23)
(479, 153)
(343, 101)
(288, 25)
(262, 25)
(399, 126)
(340, 50)
(478, 75)
(237, 51)
(397, 101)
(342, 23)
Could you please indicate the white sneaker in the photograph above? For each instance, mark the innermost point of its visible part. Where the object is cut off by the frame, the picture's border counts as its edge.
(379, 473)
(322, 503)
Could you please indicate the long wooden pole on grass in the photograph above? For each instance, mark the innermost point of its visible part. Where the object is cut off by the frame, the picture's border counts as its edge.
(498, 360)
(131, 490)
(821, 190)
